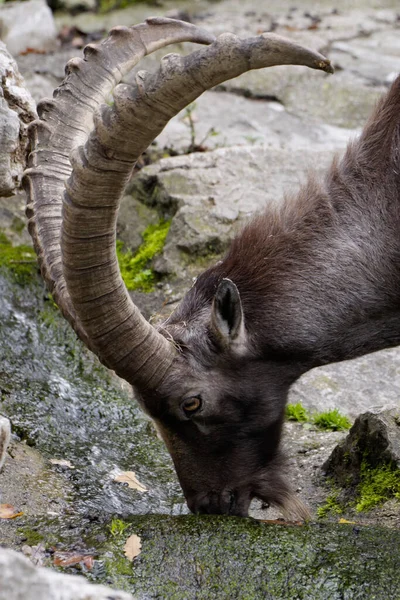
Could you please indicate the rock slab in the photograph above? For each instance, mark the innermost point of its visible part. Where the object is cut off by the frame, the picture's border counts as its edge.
(28, 26)
(19, 578)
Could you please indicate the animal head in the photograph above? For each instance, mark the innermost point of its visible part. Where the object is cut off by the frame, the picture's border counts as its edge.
(220, 408)
(217, 401)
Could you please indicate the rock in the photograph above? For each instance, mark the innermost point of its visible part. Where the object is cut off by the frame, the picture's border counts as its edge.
(374, 57)
(344, 99)
(226, 558)
(19, 578)
(5, 433)
(133, 218)
(17, 109)
(221, 119)
(28, 26)
(353, 386)
(374, 438)
(211, 194)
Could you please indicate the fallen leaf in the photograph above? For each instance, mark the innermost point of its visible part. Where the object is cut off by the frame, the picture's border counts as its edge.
(341, 521)
(133, 547)
(7, 511)
(68, 559)
(62, 463)
(32, 51)
(129, 477)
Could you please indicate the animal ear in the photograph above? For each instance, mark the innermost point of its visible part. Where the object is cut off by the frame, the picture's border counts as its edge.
(227, 313)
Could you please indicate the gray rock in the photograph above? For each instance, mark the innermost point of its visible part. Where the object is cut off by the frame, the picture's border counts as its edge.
(5, 432)
(374, 57)
(19, 578)
(343, 100)
(223, 119)
(211, 194)
(133, 218)
(353, 386)
(17, 109)
(28, 26)
(374, 438)
(48, 65)
(40, 86)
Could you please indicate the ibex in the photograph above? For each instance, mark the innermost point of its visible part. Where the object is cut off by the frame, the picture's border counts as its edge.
(312, 281)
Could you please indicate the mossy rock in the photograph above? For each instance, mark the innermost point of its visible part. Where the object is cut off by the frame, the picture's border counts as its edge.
(367, 463)
(204, 558)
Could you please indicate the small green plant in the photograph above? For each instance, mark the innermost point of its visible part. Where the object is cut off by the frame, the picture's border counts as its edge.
(118, 527)
(19, 260)
(190, 120)
(377, 485)
(331, 506)
(135, 268)
(296, 412)
(331, 419)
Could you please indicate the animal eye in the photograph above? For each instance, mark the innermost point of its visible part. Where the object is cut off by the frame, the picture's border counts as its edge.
(191, 405)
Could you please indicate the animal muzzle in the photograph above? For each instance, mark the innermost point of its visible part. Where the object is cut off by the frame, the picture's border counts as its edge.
(227, 502)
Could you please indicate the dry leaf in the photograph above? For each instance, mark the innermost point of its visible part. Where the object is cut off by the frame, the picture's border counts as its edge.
(7, 511)
(129, 477)
(62, 463)
(133, 547)
(345, 521)
(68, 559)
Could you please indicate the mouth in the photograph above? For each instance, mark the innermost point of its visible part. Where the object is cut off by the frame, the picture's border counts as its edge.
(237, 503)
(227, 502)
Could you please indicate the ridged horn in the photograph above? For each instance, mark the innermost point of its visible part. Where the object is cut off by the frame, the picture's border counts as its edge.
(65, 122)
(111, 323)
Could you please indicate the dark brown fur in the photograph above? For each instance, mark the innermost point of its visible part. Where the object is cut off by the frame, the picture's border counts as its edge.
(318, 282)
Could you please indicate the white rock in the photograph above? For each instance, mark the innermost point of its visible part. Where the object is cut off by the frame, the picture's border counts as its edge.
(19, 578)
(17, 109)
(28, 26)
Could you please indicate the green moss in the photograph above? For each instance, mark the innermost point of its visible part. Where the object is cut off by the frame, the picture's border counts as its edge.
(331, 419)
(31, 536)
(377, 485)
(17, 224)
(18, 260)
(118, 527)
(209, 557)
(296, 412)
(331, 506)
(135, 268)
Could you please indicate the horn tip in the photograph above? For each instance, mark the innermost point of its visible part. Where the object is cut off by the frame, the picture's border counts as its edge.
(325, 65)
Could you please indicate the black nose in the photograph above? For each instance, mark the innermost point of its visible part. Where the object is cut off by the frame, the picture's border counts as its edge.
(227, 502)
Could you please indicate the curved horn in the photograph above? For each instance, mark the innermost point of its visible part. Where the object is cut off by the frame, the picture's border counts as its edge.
(121, 337)
(65, 122)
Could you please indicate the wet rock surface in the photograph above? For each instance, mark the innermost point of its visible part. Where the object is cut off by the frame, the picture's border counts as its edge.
(260, 134)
